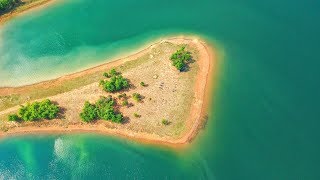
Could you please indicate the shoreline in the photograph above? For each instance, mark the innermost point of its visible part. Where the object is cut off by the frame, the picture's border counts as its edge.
(26, 8)
(207, 62)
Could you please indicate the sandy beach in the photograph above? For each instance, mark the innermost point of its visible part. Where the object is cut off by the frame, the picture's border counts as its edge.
(198, 110)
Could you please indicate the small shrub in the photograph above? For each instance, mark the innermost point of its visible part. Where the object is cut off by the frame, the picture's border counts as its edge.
(113, 72)
(106, 75)
(165, 122)
(123, 95)
(137, 97)
(13, 117)
(125, 103)
(136, 115)
(142, 84)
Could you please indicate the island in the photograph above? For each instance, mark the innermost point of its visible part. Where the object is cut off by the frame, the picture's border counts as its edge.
(158, 95)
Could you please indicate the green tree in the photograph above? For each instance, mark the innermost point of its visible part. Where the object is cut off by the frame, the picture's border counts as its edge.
(181, 58)
(39, 110)
(116, 83)
(89, 112)
(102, 109)
(13, 117)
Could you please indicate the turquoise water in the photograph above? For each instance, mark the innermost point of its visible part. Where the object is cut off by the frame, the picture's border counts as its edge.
(264, 121)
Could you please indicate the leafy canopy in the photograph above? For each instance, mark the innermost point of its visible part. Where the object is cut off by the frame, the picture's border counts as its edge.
(7, 4)
(181, 58)
(102, 109)
(116, 83)
(36, 111)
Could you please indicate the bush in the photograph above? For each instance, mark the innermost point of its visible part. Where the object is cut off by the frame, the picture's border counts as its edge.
(39, 110)
(142, 84)
(165, 122)
(102, 109)
(13, 117)
(113, 72)
(181, 58)
(137, 97)
(89, 112)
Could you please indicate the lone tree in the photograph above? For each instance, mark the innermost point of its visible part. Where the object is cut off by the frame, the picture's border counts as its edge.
(181, 58)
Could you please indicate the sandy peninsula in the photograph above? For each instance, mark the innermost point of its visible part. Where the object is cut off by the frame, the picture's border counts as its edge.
(181, 97)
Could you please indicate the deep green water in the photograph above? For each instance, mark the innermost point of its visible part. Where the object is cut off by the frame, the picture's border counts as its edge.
(264, 121)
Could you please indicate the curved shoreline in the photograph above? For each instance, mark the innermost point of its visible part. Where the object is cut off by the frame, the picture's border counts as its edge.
(26, 8)
(198, 110)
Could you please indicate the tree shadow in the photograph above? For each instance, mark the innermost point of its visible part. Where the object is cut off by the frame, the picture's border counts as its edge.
(61, 114)
(125, 120)
(187, 66)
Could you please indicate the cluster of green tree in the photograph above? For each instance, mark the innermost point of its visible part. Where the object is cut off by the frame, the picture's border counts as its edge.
(36, 111)
(6, 5)
(116, 83)
(181, 58)
(102, 109)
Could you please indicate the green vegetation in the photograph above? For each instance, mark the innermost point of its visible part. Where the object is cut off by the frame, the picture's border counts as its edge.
(125, 102)
(35, 111)
(6, 5)
(102, 109)
(13, 117)
(165, 122)
(137, 97)
(123, 95)
(116, 83)
(113, 72)
(36, 91)
(105, 74)
(136, 115)
(181, 58)
(142, 84)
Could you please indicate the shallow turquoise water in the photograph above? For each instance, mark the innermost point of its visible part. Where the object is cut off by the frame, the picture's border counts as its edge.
(264, 122)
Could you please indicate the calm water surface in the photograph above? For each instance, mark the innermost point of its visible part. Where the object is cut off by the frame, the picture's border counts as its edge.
(264, 121)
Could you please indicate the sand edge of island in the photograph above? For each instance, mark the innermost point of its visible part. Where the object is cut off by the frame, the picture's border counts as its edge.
(206, 61)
